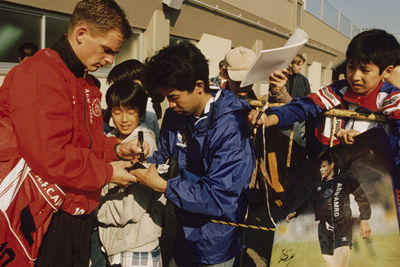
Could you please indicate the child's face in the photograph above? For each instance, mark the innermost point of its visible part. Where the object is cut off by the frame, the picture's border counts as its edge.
(296, 65)
(394, 77)
(363, 77)
(125, 120)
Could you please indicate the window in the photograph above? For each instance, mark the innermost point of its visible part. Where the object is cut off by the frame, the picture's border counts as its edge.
(20, 24)
(16, 28)
(55, 28)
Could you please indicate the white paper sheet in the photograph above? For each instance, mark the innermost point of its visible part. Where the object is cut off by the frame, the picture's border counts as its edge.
(270, 60)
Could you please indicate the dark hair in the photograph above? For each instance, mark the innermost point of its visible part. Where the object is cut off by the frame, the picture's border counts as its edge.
(177, 66)
(127, 94)
(103, 15)
(27, 50)
(376, 46)
(300, 56)
(128, 70)
(131, 70)
(397, 62)
(328, 156)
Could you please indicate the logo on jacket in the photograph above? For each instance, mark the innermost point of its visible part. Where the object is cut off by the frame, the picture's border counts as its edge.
(336, 206)
(328, 193)
(392, 100)
(96, 107)
(181, 142)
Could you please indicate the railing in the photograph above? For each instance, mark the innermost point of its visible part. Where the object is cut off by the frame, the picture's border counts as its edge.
(332, 16)
(334, 113)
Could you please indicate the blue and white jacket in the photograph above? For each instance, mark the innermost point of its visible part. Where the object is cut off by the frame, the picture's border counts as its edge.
(216, 160)
(385, 99)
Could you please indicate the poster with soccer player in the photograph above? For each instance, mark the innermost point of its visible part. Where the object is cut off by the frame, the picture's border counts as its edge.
(339, 209)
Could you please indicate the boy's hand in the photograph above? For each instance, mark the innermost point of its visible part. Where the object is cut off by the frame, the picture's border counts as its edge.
(347, 136)
(365, 229)
(131, 150)
(278, 80)
(150, 178)
(120, 174)
(257, 117)
(290, 216)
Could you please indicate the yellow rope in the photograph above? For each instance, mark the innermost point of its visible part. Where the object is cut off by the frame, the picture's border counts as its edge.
(241, 225)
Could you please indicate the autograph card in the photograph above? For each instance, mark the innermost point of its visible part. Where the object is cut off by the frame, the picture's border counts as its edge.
(348, 207)
(274, 59)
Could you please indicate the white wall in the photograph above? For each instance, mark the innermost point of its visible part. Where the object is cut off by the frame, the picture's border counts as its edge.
(214, 49)
(314, 76)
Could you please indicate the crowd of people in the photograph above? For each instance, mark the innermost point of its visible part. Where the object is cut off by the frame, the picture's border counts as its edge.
(113, 178)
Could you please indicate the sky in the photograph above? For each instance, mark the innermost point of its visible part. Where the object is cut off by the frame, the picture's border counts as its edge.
(381, 14)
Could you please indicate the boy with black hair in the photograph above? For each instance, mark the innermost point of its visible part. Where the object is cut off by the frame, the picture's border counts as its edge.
(207, 132)
(132, 70)
(370, 55)
(330, 197)
(130, 218)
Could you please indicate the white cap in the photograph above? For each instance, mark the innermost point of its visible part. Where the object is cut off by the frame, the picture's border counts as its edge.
(238, 62)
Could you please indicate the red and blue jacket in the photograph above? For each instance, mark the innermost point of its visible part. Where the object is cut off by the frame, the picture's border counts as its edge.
(385, 99)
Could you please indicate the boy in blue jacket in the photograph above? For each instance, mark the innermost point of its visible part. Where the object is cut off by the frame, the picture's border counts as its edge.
(370, 59)
(207, 132)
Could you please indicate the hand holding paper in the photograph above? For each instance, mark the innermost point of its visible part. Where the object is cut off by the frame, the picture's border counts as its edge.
(271, 60)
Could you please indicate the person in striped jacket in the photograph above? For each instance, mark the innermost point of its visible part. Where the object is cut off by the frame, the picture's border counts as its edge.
(371, 57)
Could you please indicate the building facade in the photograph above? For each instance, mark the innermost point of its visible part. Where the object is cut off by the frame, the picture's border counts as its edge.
(215, 25)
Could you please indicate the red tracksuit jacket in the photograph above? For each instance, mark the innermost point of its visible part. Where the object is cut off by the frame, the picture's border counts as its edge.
(58, 125)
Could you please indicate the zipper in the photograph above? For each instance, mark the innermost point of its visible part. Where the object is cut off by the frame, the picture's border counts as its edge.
(84, 117)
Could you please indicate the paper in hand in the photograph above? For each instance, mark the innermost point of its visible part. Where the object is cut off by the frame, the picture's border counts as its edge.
(270, 60)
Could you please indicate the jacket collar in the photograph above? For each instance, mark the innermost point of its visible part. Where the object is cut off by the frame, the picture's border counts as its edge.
(64, 49)
(224, 101)
(367, 101)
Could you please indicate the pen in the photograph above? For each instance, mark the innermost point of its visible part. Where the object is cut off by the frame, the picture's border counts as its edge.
(259, 116)
(141, 155)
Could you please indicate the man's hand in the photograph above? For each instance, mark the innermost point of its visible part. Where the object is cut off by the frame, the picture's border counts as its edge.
(365, 229)
(277, 81)
(120, 174)
(257, 117)
(290, 216)
(346, 136)
(131, 150)
(150, 178)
